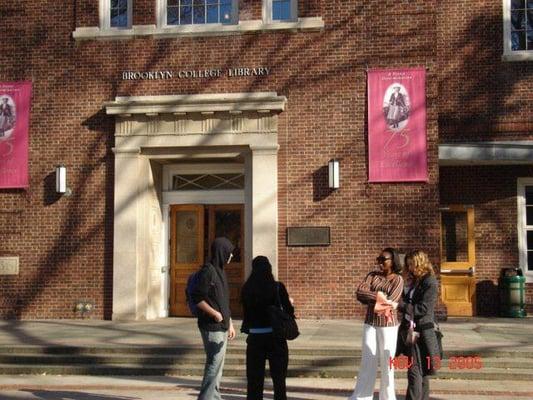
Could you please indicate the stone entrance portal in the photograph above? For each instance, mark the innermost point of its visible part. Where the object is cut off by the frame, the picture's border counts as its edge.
(154, 131)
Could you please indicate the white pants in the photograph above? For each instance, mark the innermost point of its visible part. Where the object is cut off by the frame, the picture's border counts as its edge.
(377, 343)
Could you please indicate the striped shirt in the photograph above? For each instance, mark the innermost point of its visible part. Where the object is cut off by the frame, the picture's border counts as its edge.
(391, 285)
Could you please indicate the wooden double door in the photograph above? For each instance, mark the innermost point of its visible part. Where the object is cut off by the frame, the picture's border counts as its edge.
(193, 227)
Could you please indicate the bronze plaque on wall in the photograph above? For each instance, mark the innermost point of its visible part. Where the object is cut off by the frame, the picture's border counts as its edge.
(308, 236)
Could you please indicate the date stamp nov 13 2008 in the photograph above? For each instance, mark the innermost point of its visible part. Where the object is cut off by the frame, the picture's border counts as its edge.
(455, 362)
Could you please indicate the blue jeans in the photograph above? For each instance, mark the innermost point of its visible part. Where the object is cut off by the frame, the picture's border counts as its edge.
(215, 351)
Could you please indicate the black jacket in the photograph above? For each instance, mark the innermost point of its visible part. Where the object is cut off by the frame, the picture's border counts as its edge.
(421, 309)
(255, 308)
(213, 288)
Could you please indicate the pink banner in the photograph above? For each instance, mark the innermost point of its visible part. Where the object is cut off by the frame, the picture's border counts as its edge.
(14, 125)
(397, 125)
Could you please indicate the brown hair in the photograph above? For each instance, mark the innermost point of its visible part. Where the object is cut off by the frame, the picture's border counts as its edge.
(422, 264)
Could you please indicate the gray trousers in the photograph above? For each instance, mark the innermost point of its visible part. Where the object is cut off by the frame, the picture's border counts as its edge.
(215, 351)
(417, 379)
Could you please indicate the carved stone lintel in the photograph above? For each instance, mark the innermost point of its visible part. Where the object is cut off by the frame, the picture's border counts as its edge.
(197, 124)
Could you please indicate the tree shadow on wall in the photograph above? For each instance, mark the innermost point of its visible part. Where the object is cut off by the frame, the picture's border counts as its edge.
(50, 195)
(321, 188)
(486, 93)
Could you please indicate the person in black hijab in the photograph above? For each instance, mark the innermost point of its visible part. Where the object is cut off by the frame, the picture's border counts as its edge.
(211, 296)
(258, 293)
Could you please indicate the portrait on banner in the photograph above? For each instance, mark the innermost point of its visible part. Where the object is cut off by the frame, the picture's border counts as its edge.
(8, 116)
(396, 106)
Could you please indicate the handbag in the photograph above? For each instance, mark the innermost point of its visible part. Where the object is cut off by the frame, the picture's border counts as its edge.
(283, 324)
(412, 335)
(401, 343)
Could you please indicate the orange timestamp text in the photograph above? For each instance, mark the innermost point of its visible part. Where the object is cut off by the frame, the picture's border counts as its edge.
(455, 362)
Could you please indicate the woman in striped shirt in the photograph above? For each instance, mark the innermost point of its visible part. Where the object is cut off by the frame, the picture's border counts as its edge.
(380, 291)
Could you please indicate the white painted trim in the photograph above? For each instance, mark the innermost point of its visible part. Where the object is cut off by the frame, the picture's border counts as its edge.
(165, 275)
(508, 53)
(173, 169)
(204, 197)
(250, 26)
(522, 227)
(104, 11)
(486, 153)
(267, 12)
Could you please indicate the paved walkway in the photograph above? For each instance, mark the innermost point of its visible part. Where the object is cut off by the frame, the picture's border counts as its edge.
(186, 388)
(479, 334)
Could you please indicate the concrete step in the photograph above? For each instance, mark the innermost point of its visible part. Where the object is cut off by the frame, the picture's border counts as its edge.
(232, 349)
(196, 369)
(231, 359)
(176, 361)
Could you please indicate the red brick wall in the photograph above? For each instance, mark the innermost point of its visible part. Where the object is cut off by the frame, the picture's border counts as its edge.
(249, 10)
(492, 191)
(65, 244)
(144, 12)
(481, 97)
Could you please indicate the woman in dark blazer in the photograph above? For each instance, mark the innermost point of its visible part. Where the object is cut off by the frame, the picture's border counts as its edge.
(418, 306)
(259, 292)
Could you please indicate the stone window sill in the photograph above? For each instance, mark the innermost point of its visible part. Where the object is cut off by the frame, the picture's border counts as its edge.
(518, 56)
(303, 24)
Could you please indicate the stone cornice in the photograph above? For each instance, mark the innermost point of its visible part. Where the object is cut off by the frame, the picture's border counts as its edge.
(94, 32)
(231, 102)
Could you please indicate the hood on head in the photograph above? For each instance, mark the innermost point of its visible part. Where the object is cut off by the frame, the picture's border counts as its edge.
(221, 248)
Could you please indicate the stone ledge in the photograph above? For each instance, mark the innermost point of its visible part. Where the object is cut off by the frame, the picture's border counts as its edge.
(486, 153)
(196, 103)
(518, 56)
(303, 24)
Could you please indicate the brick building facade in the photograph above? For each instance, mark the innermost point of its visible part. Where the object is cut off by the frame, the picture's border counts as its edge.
(112, 134)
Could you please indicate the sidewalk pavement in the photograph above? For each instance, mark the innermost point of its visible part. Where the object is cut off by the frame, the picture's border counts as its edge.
(473, 334)
(186, 388)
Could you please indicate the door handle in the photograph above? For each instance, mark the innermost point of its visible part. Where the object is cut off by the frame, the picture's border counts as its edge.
(469, 271)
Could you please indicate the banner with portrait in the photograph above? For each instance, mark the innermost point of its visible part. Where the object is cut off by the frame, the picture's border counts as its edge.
(397, 125)
(15, 100)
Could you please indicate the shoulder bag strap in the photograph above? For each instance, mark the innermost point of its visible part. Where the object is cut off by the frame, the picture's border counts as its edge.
(277, 295)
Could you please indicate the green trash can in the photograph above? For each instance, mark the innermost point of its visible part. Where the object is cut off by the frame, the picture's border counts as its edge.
(513, 285)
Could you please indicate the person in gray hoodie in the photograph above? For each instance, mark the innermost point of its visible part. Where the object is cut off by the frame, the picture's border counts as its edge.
(211, 296)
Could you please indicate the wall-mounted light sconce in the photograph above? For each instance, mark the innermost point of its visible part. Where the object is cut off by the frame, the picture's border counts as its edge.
(334, 174)
(61, 181)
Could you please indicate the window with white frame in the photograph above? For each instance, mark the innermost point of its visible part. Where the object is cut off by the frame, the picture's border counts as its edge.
(518, 28)
(525, 225)
(115, 14)
(521, 25)
(198, 12)
(280, 10)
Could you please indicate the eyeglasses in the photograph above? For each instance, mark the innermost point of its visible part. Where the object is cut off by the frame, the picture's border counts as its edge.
(382, 259)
